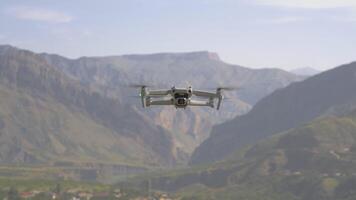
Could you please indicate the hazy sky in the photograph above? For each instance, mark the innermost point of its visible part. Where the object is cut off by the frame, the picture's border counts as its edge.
(254, 33)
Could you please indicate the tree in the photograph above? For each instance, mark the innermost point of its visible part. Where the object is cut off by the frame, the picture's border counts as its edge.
(58, 189)
(13, 194)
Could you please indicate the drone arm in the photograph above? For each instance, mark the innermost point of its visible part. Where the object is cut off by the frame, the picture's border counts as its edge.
(161, 102)
(200, 103)
(158, 93)
(204, 94)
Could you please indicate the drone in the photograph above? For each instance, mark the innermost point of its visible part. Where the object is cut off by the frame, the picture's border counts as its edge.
(181, 97)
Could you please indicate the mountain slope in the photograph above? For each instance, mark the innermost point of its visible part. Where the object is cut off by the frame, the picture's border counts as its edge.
(315, 161)
(286, 108)
(202, 70)
(47, 117)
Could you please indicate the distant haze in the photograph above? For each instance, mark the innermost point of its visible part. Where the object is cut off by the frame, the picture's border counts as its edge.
(254, 33)
(305, 71)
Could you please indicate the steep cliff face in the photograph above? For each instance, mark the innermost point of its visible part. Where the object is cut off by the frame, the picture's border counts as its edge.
(46, 116)
(327, 93)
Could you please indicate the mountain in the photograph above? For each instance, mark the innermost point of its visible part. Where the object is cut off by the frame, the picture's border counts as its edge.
(314, 161)
(202, 70)
(55, 108)
(328, 93)
(305, 71)
(48, 118)
(75, 117)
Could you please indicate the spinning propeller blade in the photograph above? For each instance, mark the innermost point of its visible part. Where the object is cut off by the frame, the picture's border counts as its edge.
(137, 96)
(228, 88)
(138, 85)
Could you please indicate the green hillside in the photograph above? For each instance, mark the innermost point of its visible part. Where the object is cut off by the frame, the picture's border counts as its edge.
(328, 93)
(316, 161)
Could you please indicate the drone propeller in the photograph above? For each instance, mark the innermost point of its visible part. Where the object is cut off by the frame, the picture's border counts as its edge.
(220, 96)
(227, 98)
(135, 96)
(228, 88)
(138, 85)
(142, 94)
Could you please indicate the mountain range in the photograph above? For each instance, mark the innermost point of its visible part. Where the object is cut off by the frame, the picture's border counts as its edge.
(202, 70)
(47, 117)
(309, 155)
(314, 161)
(328, 93)
(56, 110)
(61, 116)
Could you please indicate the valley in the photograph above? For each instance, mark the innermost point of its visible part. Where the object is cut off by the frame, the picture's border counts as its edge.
(178, 100)
(73, 120)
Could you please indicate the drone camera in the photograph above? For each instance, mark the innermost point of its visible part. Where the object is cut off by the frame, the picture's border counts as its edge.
(182, 101)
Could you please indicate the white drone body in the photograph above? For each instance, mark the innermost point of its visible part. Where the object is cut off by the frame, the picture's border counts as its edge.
(180, 97)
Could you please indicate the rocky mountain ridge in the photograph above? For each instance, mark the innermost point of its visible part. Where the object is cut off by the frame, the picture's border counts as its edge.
(202, 70)
(324, 94)
(47, 116)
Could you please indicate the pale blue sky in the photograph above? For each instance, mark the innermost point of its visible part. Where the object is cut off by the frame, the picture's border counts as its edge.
(255, 33)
